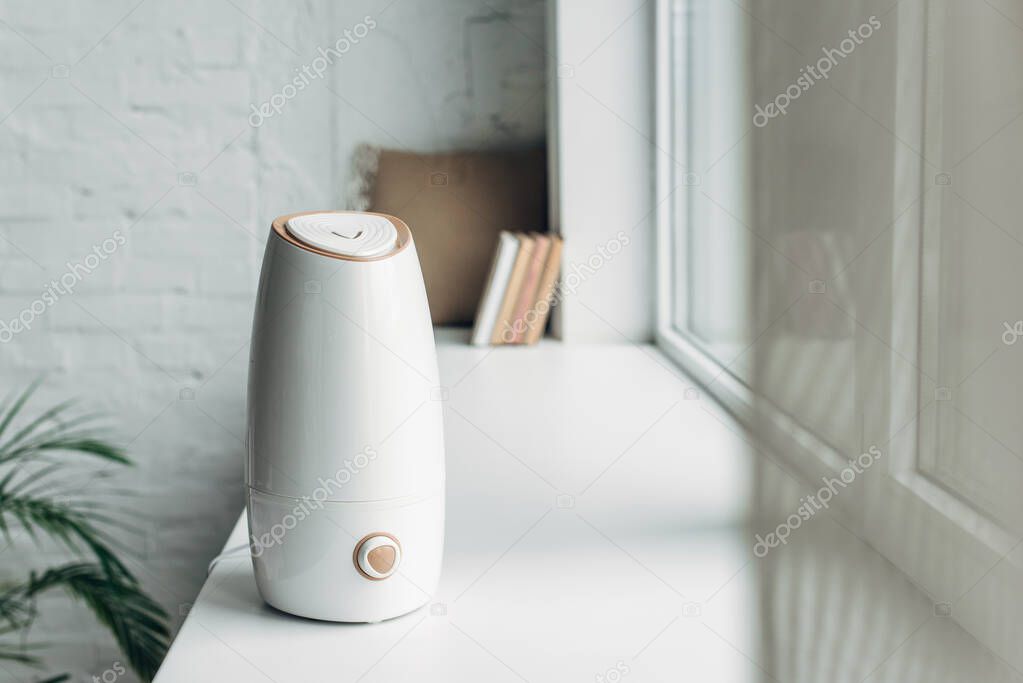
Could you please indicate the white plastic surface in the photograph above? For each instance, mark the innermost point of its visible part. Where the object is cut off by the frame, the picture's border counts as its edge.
(307, 569)
(343, 438)
(359, 235)
(342, 355)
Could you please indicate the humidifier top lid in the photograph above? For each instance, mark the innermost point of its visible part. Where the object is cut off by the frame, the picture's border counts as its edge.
(354, 235)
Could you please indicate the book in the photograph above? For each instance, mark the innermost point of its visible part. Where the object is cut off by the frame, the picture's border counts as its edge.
(545, 292)
(528, 291)
(503, 332)
(495, 288)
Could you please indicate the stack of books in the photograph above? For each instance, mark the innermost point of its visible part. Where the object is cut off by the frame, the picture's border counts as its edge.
(516, 301)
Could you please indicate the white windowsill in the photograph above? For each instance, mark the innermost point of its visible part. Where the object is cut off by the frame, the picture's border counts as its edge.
(553, 505)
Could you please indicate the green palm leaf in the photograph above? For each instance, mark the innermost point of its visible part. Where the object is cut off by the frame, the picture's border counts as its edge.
(63, 523)
(32, 498)
(13, 411)
(137, 622)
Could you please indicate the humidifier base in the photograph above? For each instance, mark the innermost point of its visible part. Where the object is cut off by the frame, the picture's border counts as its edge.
(347, 562)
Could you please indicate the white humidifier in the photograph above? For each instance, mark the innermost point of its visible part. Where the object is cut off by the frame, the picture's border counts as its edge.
(345, 468)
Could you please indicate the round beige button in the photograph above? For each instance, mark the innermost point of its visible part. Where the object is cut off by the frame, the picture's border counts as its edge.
(377, 555)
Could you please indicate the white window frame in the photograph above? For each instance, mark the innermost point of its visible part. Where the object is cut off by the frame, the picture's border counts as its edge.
(915, 259)
(683, 350)
(903, 494)
(780, 430)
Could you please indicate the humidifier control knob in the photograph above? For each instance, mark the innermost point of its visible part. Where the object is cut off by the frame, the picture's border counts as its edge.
(377, 555)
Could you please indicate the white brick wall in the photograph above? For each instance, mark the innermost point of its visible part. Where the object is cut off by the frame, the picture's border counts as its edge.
(160, 88)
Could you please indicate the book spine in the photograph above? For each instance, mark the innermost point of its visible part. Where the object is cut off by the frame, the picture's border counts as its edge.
(496, 286)
(545, 292)
(503, 331)
(524, 307)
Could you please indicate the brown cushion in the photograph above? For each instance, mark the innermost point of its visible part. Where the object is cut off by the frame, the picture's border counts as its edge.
(456, 205)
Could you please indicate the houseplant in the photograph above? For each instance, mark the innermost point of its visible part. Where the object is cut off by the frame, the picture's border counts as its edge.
(42, 462)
